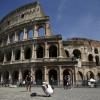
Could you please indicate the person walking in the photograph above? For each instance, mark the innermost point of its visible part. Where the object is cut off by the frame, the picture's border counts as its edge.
(28, 82)
(65, 82)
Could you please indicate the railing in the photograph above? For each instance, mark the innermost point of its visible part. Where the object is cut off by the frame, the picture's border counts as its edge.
(89, 64)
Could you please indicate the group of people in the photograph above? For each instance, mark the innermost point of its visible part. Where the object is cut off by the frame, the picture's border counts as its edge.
(47, 88)
(67, 82)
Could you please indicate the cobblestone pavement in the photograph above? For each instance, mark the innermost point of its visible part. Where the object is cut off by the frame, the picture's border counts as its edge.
(7, 93)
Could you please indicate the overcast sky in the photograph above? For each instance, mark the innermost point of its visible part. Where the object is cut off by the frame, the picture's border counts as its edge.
(71, 18)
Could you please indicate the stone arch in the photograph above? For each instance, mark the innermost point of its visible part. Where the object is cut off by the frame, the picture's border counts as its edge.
(15, 76)
(8, 55)
(26, 72)
(41, 31)
(39, 51)
(30, 34)
(67, 72)
(90, 57)
(6, 77)
(20, 35)
(89, 75)
(53, 80)
(17, 54)
(1, 56)
(97, 60)
(28, 53)
(77, 53)
(95, 50)
(12, 38)
(67, 53)
(38, 76)
(53, 51)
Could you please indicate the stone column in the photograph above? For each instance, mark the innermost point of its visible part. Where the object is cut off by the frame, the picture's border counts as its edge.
(45, 74)
(33, 53)
(25, 34)
(10, 77)
(35, 31)
(13, 56)
(46, 50)
(32, 73)
(22, 53)
(60, 81)
(48, 30)
(60, 48)
(16, 37)
(20, 76)
(2, 77)
(8, 40)
(4, 58)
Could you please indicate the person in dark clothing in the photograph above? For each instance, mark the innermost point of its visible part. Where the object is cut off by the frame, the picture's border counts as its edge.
(65, 82)
(28, 82)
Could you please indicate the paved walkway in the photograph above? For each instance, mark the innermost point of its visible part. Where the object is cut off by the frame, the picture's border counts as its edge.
(7, 93)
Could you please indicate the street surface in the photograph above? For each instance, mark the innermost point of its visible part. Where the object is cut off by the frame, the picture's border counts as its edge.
(20, 93)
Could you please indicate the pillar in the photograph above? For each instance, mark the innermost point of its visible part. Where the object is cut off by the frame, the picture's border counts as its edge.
(45, 74)
(48, 30)
(22, 53)
(35, 31)
(8, 40)
(16, 37)
(60, 81)
(20, 76)
(10, 78)
(60, 48)
(25, 34)
(46, 50)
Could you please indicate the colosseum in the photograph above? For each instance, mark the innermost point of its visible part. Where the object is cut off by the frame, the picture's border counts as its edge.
(27, 44)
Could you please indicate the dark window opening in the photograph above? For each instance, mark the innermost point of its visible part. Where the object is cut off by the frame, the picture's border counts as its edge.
(53, 51)
(39, 52)
(28, 53)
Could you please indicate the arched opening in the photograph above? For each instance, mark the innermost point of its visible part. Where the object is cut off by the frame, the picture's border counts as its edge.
(20, 36)
(77, 53)
(17, 55)
(28, 53)
(90, 75)
(12, 38)
(38, 77)
(41, 31)
(53, 77)
(97, 60)
(15, 77)
(8, 56)
(26, 72)
(52, 51)
(96, 51)
(67, 53)
(39, 52)
(6, 77)
(67, 73)
(30, 34)
(1, 56)
(90, 57)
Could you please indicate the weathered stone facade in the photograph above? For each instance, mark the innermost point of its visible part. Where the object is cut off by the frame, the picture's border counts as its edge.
(27, 44)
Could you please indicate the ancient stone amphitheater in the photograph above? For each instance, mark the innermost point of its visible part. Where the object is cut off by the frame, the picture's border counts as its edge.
(27, 44)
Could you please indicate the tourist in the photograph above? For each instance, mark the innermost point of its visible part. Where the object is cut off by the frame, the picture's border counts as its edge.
(28, 82)
(48, 90)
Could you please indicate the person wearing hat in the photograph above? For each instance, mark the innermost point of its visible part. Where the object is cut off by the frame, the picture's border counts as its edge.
(47, 89)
